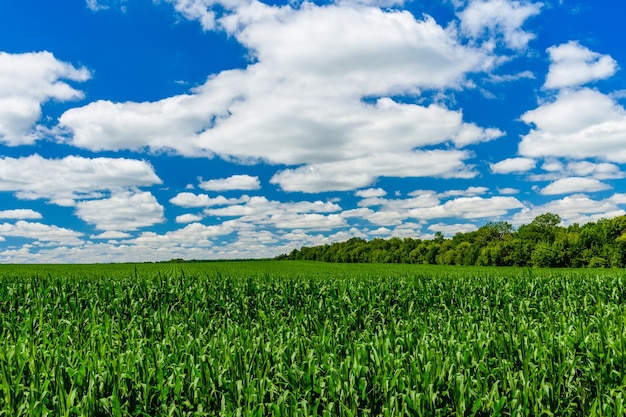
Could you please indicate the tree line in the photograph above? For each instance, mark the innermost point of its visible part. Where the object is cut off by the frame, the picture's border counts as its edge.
(541, 243)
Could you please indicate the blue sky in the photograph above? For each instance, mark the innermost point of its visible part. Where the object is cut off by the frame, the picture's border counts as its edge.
(144, 130)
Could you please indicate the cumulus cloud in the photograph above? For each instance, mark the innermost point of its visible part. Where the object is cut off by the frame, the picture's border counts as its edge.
(52, 235)
(552, 165)
(194, 241)
(408, 229)
(199, 10)
(577, 208)
(188, 218)
(339, 96)
(572, 185)
(513, 165)
(507, 78)
(574, 65)
(20, 214)
(189, 200)
(26, 82)
(508, 191)
(111, 234)
(371, 192)
(235, 182)
(578, 124)
(468, 192)
(258, 208)
(192, 235)
(264, 213)
(318, 91)
(469, 208)
(426, 205)
(597, 170)
(379, 217)
(452, 229)
(314, 221)
(362, 172)
(123, 211)
(64, 180)
(421, 199)
(500, 19)
(469, 134)
(278, 127)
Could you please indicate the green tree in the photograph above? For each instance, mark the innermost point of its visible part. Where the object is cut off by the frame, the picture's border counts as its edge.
(544, 255)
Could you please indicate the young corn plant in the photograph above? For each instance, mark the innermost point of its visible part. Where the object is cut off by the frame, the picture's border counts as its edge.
(309, 339)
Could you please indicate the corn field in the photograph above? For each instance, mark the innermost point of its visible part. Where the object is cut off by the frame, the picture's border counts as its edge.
(310, 339)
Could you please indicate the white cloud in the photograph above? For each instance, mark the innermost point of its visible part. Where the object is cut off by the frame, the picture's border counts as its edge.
(470, 133)
(452, 229)
(95, 5)
(313, 221)
(264, 213)
(302, 100)
(20, 214)
(573, 111)
(235, 182)
(469, 208)
(425, 205)
(618, 94)
(381, 231)
(552, 165)
(577, 124)
(470, 191)
(315, 99)
(52, 235)
(513, 165)
(366, 47)
(26, 82)
(506, 78)
(259, 208)
(381, 217)
(572, 185)
(299, 237)
(111, 234)
(617, 198)
(407, 229)
(596, 170)
(277, 126)
(194, 241)
(577, 208)
(63, 180)
(499, 18)
(574, 65)
(371, 192)
(99, 5)
(599, 171)
(375, 3)
(191, 200)
(123, 211)
(189, 218)
(362, 172)
(192, 235)
(199, 10)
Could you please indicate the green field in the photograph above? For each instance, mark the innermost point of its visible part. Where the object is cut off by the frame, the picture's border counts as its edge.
(302, 338)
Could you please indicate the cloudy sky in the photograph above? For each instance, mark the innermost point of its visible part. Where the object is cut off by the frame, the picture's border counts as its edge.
(144, 130)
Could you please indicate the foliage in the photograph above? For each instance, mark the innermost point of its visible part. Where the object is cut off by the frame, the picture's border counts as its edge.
(305, 339)
(541, 243)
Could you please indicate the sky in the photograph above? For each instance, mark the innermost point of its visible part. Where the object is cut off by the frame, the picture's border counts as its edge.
(146, 130)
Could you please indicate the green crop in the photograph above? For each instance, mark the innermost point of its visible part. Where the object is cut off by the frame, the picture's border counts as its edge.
(305, 339)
